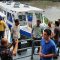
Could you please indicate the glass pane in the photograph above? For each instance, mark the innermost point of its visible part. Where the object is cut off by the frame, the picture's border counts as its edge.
(30, 16)
(9, 17)
(39, 16)
(22, 17)
(5, 12)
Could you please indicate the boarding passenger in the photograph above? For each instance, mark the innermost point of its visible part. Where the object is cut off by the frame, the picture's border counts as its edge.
(36, 33)
(56, 32)
(59, 31)
(2, 28)
(51, 27)
(15, 32)
(48, 47)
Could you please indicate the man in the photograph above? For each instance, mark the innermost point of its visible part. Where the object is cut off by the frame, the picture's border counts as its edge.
(36, 33)
(59, 22)
(48, 47)
(56, 32)
(50, 26)
(59, 30)
(6, 53)
(2, 28)
(15, 31)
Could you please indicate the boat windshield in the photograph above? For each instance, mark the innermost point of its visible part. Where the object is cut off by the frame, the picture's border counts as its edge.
(22, 19)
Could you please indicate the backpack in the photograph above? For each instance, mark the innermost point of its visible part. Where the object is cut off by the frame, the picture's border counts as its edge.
(5, 53)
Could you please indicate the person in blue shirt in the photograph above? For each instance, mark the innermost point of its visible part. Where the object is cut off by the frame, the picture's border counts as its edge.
(48, 47)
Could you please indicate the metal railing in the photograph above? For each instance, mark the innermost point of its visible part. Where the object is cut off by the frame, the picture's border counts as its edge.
(32, 47)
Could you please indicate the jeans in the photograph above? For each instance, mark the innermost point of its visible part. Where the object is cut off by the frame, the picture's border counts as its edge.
(36, 43)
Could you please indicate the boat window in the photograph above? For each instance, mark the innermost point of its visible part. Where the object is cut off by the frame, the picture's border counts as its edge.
(9, 17)
(8, 3)
(26, 5)
(5, 12)
(39, 16)
(22, 17)
(13, 17)
(17, 4)
(30, 16)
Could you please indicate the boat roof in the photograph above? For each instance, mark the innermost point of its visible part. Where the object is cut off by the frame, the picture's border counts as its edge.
(19, 7)
(1, 14)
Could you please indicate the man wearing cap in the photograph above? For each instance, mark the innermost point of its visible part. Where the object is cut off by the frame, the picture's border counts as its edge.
(2, 28)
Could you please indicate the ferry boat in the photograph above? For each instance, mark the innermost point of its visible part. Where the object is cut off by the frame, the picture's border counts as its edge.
(26, 14)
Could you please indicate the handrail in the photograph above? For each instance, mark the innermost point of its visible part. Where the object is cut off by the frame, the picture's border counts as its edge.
(29, 40)
(24, 48)
(33, 41)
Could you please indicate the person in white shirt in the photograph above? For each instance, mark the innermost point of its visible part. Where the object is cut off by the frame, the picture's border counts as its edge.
(15, 32)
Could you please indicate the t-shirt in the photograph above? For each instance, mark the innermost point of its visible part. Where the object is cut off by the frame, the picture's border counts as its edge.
(2, 25)
(36, 31)
(15, 32)
(48, 48)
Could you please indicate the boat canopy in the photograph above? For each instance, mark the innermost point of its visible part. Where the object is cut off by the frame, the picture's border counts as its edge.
(18, 7)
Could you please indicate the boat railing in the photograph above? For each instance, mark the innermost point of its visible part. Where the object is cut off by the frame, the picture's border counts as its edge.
(30, 47)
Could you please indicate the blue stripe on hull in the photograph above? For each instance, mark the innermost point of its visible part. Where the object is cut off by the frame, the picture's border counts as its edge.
(25, 33)
(9, 25)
